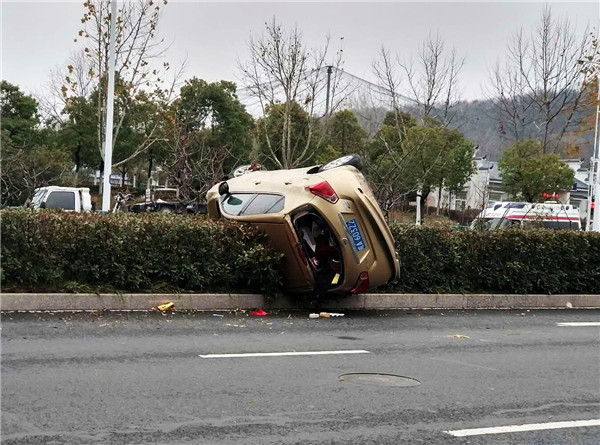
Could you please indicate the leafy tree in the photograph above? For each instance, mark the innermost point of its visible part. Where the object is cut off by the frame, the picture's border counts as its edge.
(208, 132)
(79, 133)
(30, 157)
(298, 134)
(406, 157)
(345, 133)
(527, 172)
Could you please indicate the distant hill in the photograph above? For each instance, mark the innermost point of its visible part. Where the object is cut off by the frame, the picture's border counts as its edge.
(481, 123)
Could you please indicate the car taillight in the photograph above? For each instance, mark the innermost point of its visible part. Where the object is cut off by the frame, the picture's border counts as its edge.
(362, 284)
(325, 191)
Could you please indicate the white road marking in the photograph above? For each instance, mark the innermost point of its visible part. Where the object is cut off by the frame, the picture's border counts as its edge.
(284, 354)
(577, 324)
(521, 428)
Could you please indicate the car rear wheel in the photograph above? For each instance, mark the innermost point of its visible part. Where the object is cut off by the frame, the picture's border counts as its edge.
(353, 160)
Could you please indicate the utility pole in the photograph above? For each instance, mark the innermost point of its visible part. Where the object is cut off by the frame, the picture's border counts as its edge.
(110, 102)
(329, 71)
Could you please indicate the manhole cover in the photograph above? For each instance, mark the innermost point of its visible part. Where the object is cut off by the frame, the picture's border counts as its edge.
(377, 379)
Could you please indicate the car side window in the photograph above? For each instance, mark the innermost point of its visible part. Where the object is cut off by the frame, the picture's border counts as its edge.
(61, 200)
(264, 203)
(240, 204)
(235, 203)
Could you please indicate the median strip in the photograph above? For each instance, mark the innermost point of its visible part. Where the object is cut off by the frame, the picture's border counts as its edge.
(283, 354)
(524, 428)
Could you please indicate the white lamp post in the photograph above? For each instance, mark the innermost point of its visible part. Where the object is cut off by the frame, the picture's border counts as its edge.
(110, 99)
(594, 177)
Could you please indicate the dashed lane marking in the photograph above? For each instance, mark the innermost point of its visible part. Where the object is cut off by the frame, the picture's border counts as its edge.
(523, 428)
(283, 354)
(577, 324)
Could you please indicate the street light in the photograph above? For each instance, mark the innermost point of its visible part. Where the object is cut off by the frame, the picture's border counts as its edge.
(594, 177)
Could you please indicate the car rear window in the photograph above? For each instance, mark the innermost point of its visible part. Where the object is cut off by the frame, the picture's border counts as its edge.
(61, 200)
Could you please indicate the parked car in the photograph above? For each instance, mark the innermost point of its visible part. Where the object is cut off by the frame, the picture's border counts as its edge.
(72, 199)
(325, 219)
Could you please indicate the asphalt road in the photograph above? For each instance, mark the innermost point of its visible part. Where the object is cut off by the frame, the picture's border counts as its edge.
(148, 378)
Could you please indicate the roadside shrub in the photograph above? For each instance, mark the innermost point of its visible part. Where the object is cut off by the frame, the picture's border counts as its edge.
(127, 252)
(57, 251)
(503, 261)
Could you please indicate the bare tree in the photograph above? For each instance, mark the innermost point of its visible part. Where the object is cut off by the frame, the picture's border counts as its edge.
(429, 83)
(281, 70)
(138, 69)
(537, 88)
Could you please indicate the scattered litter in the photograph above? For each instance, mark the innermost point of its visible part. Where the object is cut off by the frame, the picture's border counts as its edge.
(313, 315)
(258, 313)
(104, 324)
(460, 336)
(570, 305)
(164, 307)
(324, 315)
(218, 315)
(336, 314)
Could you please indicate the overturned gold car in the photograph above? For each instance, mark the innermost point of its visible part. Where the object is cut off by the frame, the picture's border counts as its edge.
(325, 219)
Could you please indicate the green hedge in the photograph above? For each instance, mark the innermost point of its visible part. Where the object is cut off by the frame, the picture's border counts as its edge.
(54, 251)
(436, 259)
(57, 251)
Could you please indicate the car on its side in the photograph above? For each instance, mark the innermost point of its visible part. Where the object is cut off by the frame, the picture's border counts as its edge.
(325, 219)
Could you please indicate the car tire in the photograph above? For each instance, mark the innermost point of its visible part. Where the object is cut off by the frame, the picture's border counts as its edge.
(353, 160)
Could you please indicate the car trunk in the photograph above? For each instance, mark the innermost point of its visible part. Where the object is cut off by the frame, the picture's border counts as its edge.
(320, 248)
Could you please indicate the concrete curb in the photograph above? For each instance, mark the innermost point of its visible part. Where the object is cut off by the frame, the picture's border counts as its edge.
(216, 302)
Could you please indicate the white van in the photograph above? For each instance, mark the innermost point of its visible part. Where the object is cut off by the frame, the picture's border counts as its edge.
(74, 199)
(550, 214)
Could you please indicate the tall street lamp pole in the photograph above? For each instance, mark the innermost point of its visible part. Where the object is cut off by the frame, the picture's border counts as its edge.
(594, 177)
(110, 100)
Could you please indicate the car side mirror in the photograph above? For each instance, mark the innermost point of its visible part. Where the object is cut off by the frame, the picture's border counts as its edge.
(223, 188)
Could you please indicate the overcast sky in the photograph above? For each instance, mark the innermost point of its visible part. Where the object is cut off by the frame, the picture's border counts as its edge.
(38, 36)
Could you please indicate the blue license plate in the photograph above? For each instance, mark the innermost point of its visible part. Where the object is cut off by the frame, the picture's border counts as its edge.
(357, 238)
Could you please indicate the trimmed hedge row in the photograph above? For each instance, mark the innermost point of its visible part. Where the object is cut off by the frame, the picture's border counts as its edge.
(53, 251)
(436, 259)
(57, 251)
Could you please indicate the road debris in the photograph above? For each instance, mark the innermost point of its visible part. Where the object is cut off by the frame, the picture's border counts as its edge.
(164, 307)
(218, 315)
(461, 336)
(258, 313)
(313, 315)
